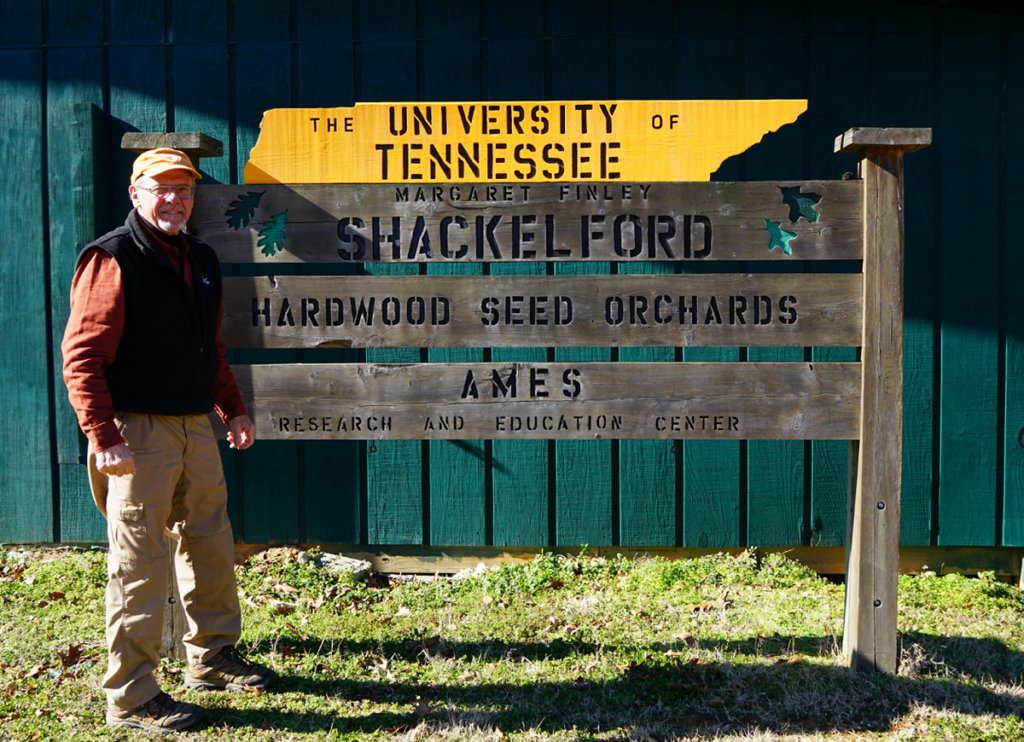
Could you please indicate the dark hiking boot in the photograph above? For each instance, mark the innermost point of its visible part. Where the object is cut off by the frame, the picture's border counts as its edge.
(161, 715)
(226, 670)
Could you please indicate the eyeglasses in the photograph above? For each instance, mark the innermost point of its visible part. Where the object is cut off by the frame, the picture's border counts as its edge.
(184, 192)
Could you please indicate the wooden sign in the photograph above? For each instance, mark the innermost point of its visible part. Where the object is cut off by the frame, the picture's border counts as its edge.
(496, 222)
(554, 400)
(515, 142)
(539, 311)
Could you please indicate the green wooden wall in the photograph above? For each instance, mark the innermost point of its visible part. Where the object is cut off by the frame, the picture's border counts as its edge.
(72, 67)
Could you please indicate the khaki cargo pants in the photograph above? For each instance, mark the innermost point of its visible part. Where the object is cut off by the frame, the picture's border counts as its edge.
(178, 485)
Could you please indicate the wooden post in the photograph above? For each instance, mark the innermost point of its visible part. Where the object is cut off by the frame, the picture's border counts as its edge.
(195, 145)
(872, 549)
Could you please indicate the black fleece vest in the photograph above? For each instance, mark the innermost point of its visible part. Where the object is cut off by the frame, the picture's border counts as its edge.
(166, 363)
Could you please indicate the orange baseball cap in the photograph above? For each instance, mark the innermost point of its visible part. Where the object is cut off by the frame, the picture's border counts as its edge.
(157, 161)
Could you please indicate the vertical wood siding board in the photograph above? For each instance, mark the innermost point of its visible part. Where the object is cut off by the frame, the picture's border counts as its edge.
(326, 74)
(902, 94)
(201, 102)
(641, 71)
(394, 471)
(1013, 460)
(454, 19)
(580, 68)
(386, 71)
(520, 469)
(21, 24)
(829, 474)
(137, 23)
(80, 519)
(515, 69)
(452, 70)
(200, 22)
(137, 103)
(580, 19)
(458, 492)
(520, 20)
(969, 353)
(74, 80)
(647, 469)
(325, 20)
(262, 21)
(269, 472)
(707, 479)
(583, 469)
(386, 21)
(26, 494)
(71, 22)
(334, 470)
(839, 91)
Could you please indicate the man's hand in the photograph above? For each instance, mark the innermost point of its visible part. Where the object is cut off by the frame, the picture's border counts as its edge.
(115, 461)
(241, 433)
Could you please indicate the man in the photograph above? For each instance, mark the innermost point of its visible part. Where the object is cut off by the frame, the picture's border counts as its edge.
(144, 365)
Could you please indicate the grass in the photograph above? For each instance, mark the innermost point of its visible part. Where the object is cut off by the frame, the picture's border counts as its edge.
(562, 648)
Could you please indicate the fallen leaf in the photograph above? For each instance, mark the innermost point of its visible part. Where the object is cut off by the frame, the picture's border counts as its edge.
(698, 607)
(717, 702)
(72, 657)
(55, 595)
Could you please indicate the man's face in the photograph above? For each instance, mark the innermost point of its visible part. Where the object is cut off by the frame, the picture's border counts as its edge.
(168, 213)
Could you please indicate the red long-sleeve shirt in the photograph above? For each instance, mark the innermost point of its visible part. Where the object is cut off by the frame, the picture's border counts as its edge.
(94, 333)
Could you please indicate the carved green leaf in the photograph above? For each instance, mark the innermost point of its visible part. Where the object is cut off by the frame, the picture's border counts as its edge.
(800, 204)
(272, 234)
(779, 236)
(240, 211)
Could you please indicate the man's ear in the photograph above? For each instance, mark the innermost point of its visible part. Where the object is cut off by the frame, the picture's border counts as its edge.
(133, 195)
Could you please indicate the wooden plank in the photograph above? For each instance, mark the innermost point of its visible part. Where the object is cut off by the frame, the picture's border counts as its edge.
(325, 20)
(708, 501)
(200, 22)
(194, 143)
(71, 22)
(481, 311)
(869, 639)
(824, 560)
(21, 25)
(395, 487)
(572, 400)
(138, 76)
(269, 475)
(522, 479)
(541, 222)
(74, 147)
(1013, 445)
(839, 58)
(583, 481)
(26, 489)
(648, 479)
(458, 469)
(776, 470)
(909, 57)
(969, 403)
(908, 139)
(334, 472)
(137, 23)
(76, 171)
(263, 20)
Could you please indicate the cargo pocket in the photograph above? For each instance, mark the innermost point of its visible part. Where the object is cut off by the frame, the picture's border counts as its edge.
(130, 542)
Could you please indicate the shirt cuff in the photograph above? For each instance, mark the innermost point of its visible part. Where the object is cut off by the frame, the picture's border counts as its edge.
(104, 436)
